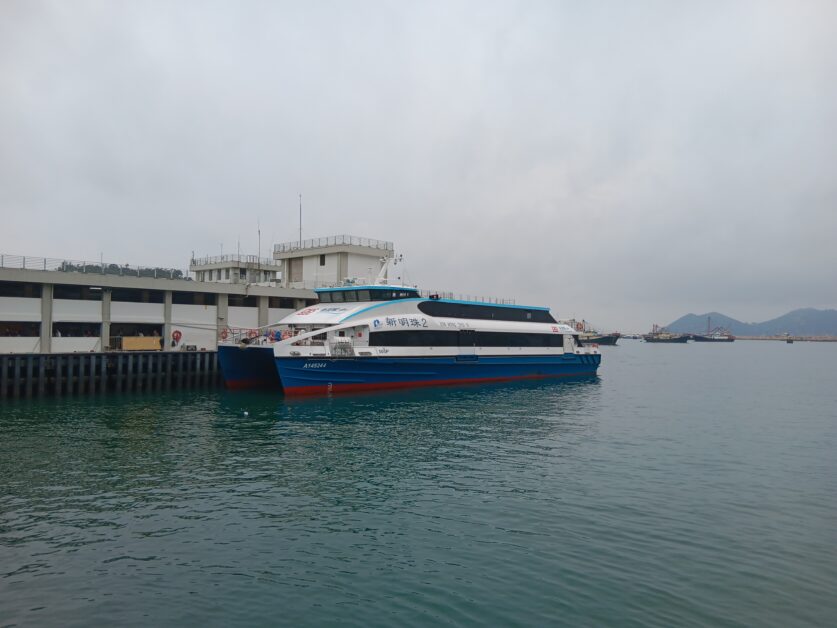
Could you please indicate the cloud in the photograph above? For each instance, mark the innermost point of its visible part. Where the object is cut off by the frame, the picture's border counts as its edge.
(622, 162)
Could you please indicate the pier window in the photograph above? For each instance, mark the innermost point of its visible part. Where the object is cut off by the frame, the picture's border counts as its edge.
(76, 330)
(322, 259)
(20, 329)
(77, 293)
(132, 295)
(280, 302)
(239, 300)
(193, 298)
(20, 289)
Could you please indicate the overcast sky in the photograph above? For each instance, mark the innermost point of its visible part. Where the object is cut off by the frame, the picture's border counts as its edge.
(624, 162)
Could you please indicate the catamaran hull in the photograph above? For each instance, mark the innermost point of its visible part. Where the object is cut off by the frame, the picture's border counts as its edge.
(322, 376)
(248, 367)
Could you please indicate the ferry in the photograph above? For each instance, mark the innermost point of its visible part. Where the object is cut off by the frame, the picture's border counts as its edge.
(369, 337)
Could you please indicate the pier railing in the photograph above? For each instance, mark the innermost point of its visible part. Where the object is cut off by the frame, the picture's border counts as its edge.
(242, 259)
(314, 243)
(29, 262)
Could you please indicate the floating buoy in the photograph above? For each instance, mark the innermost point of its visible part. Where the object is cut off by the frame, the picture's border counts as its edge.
(246, 413)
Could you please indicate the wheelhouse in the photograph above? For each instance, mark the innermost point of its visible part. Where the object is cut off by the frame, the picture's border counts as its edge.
(355, 294)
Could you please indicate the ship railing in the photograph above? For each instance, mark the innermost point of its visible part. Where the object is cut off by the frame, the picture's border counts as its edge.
(341, 347)
(442, 294)
(29, 262)
(314, 243)
(248, 335)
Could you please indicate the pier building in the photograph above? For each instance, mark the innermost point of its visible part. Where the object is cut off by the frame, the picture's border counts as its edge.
(329, 261)
(63, 306)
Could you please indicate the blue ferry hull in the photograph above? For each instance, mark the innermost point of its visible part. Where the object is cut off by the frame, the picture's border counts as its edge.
(248, 367)
(318, 376)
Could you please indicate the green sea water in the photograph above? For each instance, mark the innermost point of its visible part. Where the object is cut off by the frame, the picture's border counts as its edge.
(687, 485)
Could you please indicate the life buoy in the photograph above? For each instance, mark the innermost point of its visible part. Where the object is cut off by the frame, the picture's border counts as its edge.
(176, 335)
(224, 334)
(252, 334)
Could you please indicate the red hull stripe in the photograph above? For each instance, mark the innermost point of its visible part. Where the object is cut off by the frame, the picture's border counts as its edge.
(322, 389)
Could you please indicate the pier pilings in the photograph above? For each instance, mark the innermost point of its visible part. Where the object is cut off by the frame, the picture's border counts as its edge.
(62, 374)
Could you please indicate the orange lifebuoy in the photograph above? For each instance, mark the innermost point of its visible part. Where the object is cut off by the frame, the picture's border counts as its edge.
(252, 333)
(224, 334)
(176, 335)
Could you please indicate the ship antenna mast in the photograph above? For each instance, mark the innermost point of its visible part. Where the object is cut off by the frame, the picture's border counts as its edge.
(300, 220)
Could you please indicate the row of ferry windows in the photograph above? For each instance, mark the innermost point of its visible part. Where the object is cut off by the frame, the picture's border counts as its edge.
(132, 295)
(375, 294)
(484, 312)
(438, 338)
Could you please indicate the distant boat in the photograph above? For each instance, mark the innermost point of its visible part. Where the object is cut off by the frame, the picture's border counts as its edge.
(719, 334)
(660, 334)
(599, 338)
(664, 336)
(588, 335)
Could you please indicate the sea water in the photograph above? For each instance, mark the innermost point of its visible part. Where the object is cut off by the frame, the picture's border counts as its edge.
(687, 485)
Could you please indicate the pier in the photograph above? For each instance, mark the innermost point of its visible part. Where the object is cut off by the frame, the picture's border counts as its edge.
(61, 374)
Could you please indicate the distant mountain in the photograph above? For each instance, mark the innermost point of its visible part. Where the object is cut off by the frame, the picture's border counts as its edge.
(803, 322)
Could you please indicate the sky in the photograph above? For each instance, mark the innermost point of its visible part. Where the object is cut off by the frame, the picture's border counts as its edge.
(621, 162)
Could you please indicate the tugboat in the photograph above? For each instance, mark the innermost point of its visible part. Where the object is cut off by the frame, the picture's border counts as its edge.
(659, 334)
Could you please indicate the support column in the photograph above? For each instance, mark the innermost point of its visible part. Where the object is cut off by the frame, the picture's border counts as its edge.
(263, 311)
(167, 300)
(106, 319)
(46, 318)
(222, 314)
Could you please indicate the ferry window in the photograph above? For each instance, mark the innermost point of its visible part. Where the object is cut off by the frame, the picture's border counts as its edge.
(20, 289)
(337, 297)
(363, 295)
(322, 259)
(351, 295)
(414, 338)
(309, 302)
(483, 312)
(137, 296)
(78, 293)
(239, 300)
(226, 273)
(242, 273)
(325, 297)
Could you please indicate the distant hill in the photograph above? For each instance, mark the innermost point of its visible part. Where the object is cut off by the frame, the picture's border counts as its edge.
(803, 322)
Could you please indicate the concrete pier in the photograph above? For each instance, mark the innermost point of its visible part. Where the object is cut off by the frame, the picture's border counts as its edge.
(57, 374)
